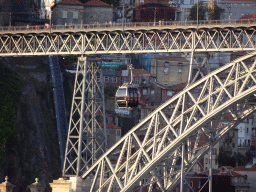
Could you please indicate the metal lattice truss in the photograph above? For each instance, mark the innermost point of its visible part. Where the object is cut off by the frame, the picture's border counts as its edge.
(150, 155)
(87, 139)
(139, 41)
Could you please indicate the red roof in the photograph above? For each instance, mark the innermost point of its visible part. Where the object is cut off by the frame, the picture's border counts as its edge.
(110, 126)
(178, 87)
(249, 16)
(70, 2)
(140, 72)
(242, 168)
(96, 3)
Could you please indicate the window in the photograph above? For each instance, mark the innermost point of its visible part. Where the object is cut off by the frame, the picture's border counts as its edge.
(145, 91)
(247, 131)
(118, 132)
(240, 129)
(106, 79)
(191, 183)
(233, 145)
(152, 92)
(191, 2)
(75, 14)
(124, 80)
(116, 121)
(114, 79)
(98, 79)
(136, 80)
(167, 64)
(169, 93)
(206, 160)
(216, 161)
(64, 14)
(199, 184)
(180, 67)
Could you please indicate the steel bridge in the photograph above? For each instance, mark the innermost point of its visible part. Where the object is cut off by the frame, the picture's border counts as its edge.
(165, 146)
(208, 36)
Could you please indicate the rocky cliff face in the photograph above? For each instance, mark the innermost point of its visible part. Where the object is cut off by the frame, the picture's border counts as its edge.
(33, 152)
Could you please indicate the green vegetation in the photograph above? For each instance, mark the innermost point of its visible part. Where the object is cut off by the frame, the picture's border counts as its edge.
(110, 92)
(10, 84)
(214, 12)
(226, 158)
(202, 9)
(127, 123)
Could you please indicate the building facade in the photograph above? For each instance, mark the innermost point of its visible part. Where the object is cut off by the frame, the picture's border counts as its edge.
(68, 12)
(170, 70)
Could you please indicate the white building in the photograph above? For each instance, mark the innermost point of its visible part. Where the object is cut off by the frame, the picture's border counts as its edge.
(244, 135)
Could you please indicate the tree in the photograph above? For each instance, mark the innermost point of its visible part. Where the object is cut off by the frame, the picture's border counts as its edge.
(110, 92)
(201, 11)
(214, 12)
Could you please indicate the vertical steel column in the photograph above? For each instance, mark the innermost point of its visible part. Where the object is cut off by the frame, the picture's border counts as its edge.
(87, 138)
(182, 177)
(210, 170)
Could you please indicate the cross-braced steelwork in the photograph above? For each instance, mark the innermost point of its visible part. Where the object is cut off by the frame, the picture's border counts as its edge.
(131, 40)
(87, 139)
(161, 149)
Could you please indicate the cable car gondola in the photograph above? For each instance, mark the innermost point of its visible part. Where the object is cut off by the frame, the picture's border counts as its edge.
(127, 95)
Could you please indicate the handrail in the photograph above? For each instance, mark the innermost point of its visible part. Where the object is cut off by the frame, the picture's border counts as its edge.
(48, 28)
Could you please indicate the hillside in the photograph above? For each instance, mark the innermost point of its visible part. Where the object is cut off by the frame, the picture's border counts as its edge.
(27, 124)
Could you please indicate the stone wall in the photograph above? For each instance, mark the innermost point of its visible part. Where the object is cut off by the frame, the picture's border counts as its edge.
(91, 15)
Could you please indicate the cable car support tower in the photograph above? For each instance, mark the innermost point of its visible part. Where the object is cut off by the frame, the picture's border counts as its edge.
(87, 139)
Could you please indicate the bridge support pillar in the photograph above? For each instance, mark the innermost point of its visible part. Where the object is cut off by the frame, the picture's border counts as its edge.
(74, 184)
(37, 186)
(60, 185)
(6, 186)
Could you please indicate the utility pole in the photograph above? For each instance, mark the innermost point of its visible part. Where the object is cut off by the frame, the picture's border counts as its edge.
(197, 14)
(123, 16)
(155, 17)
(229, 10)
(10, 19)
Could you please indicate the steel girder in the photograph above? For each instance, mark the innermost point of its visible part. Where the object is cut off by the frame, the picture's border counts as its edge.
(137, 41)
(149, 156)
(87, 139)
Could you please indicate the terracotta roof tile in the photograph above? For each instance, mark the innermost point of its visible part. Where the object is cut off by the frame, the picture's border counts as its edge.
(249, 16)
(171, 58)
(242, 168)
(70, 2)
(96, 3)
(110, 126)
(178, 87)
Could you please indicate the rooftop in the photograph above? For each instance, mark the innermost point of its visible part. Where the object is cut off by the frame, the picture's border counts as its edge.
(70, 2)
(96, 3)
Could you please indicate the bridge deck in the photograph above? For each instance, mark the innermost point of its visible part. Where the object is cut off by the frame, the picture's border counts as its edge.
(186, 25)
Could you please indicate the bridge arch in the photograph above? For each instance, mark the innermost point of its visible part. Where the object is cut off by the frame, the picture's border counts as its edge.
(150, 154)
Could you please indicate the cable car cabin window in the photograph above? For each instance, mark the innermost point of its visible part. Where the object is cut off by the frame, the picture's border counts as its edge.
(121, 93)
(133, 99)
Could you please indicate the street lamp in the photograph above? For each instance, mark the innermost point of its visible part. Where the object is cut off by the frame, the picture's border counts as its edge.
(155, 17)
(229, 10)
(197, 13)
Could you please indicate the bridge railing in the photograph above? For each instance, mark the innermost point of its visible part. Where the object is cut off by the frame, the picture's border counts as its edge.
(113, 26)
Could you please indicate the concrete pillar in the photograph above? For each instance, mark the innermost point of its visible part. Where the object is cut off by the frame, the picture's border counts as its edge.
(36, 187)
(78, 184)
(60, 185)
(6, 186)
